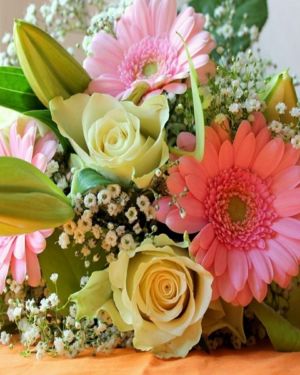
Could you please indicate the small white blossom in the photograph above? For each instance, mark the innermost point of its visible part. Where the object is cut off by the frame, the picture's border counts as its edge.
(52, 168)
(69, 228)
(59, 345)
(5, 338)
(68, 336)
(64, 240)
(127, 242)
(104, 197)
(276, 126)
(295, 112)
(54, 277)
(111, 238)
(115, 190)
(295, 141)
(79, 237)
(143, 203)
(90, 200)
(131, 214)
(234, 107)
(97, 231)
(53, 300)
(281, 108)
(83, 281)
(137, 228)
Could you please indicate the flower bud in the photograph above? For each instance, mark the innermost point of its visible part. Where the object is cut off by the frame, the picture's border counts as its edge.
(49, 68)
(280, 89)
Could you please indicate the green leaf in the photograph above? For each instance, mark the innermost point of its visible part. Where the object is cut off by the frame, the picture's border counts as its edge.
(221, 314)
(70, 268)
(29, 200)
(283, 335)
(256, 11)
(292, 314)
(93, 296)
(198, 113)
(15, 91)
(48, 67)
(87, 179)
(44, 116)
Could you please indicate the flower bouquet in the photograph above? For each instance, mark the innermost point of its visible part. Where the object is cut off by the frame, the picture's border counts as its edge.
(149, 199)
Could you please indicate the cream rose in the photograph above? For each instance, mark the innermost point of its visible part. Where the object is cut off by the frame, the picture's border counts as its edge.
(122, 141)
(159, 293)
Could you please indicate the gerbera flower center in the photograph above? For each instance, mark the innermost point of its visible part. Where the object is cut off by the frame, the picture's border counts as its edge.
(237, 209)
(152, 59)
(239, 206)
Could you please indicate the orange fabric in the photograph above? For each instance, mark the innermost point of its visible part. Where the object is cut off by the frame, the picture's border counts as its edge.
(128, 362)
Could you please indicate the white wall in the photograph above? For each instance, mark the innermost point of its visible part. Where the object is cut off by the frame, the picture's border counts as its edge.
(280, 39)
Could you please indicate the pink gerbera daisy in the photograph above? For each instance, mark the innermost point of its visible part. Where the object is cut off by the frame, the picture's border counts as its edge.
(243, 200)
(19, 253)
(148, 49)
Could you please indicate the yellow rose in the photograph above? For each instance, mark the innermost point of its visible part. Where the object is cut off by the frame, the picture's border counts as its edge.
(159, 293)
(122, 141)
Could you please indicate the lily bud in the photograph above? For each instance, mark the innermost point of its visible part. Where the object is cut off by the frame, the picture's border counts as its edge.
(50, 70)
(280, 89)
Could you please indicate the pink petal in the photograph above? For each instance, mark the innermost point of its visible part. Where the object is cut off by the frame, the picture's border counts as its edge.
(291, 245)
(196, 186)
(3, 147)
(269, 158)
(18, 269)
(176, 184)
(210, 160)
(287, 203)
(209, 257)
(175, 88)
(220, 265)
(281, 258)
(262, 138)
(40, 161)
(244, 297)
(226, 156)
(237, 268)
(19, 247)
(225, 287)
(261, 264)
(189, 165)
(290, 158)
(223, 130)
(163, 209)
(164, 13)
(33, 269)
(212, 136)
(257, 286)
(286, 179)
(188, 223)
(192, 206)
(186, 141)
(205, 237)
(35, 242)
(244, 153)
(259, 122)
(243, 130)
(289, 227)
(107, 84)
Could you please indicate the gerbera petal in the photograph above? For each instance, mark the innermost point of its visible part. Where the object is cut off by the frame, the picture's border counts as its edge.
(192, 206)
(245, 152)
(237, 268)
(19, 247)
(35, 242)
(290, 158)
(287, 203)
(220, 264)
(262, 138)
(257, 286)
(212, 136)
(210, 160)
(259, 122)
(164, 208)
(243, 130)
(196, 186)
(288, 226)
(225, 287)
(18, 269)
(269, 158)
(244, 296)
(291, 245)
(179, 225)
(282, 258)
(33, 269)
(176, 184)
(226, 156)
(261, 264)
(286, 179)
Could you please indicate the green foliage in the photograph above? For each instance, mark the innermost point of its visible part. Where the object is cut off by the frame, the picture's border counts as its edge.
(247, 12)
(69, 267)
(284, 336)
(29, 200)
(87, 179)
(15, 91)
(95, 294)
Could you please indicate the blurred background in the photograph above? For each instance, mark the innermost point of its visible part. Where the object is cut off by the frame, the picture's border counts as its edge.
(279, 40)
